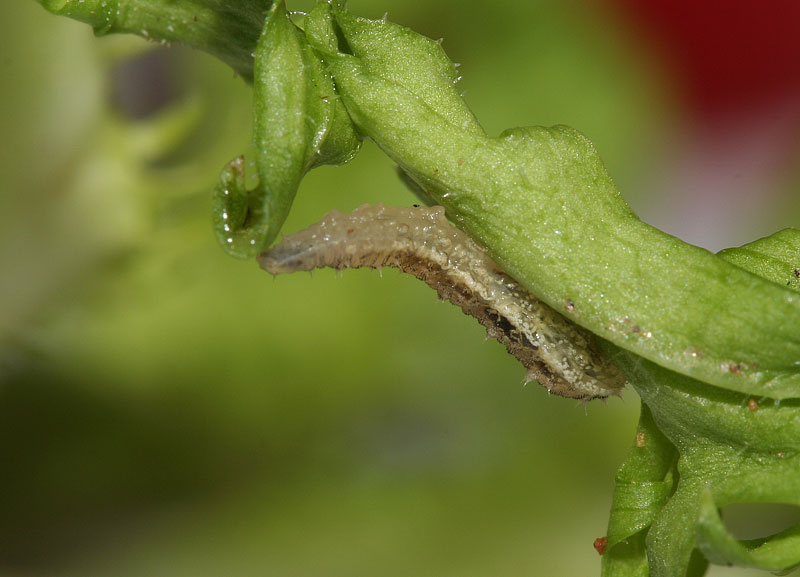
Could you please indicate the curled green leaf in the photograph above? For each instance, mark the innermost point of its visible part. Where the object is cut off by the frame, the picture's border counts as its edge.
(778, 553)
(404, 57)
(540, 200)
(734, 448)
(299, 123)
(227, 30)
(643, 485)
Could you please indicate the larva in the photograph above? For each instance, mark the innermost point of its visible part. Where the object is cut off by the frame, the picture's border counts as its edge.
(420, 241)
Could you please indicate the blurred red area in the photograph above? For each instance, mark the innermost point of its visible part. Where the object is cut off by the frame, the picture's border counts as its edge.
(729, 170)
(726, 57)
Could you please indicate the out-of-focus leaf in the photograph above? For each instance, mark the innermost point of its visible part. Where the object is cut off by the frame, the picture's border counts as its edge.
(227, 30)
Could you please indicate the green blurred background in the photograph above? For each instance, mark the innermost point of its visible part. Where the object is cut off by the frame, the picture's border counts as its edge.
(167, 410)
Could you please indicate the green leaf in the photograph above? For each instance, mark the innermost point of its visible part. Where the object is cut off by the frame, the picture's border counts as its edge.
(775, 258)
(643, 485)
(541, 202)
(411, 60)
(225, 29)
(781, 552)
(299, 123)
(733, 449)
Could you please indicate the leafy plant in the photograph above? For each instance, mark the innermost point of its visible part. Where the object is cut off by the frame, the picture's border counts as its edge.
(711, 343)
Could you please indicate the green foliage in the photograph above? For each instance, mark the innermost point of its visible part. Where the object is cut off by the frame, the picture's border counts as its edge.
(774, 258)
(710, 342)
(643, 485)
(524, 195)
(733, 448)
(227, 30)
(299, 123)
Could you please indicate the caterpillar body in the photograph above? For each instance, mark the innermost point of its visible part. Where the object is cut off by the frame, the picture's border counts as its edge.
(420, 241)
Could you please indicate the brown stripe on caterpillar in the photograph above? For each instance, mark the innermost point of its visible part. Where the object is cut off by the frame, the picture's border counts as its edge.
(420, 241)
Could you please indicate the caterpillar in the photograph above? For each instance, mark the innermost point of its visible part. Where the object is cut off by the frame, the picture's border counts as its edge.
(420, 241)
